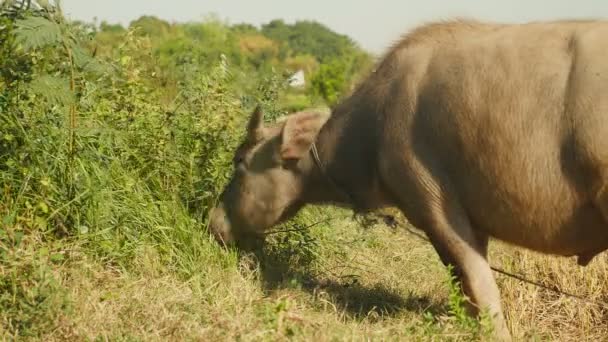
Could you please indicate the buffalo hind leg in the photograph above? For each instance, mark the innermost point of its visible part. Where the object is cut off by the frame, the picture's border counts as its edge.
(601, 203)
(434, 209)
(601, 200)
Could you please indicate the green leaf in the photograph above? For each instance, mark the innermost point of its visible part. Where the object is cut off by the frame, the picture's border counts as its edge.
(44, 251)
(84, 61)
(40, 222)
(82, 229)
(57, 257)
(81, 57)
(36, 32)
(124, 60)
(43, 207)
(18, 238)
(54, 89)
(9, 219)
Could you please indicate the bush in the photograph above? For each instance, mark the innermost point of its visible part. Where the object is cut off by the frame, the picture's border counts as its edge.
(329, 82)
(90, 152)
(107, 152)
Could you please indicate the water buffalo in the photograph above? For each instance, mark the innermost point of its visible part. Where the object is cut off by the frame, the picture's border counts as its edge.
(473, 130)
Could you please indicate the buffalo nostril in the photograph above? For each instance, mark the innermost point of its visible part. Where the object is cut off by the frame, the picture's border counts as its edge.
(221, 238)
(221, 235)
(219, 227)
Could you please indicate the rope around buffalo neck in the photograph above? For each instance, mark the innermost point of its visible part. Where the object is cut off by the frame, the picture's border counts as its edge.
(315, 156)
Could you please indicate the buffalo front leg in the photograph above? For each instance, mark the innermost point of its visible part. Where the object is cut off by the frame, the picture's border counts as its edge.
(447, 260)
(454, 240)
(430, 205)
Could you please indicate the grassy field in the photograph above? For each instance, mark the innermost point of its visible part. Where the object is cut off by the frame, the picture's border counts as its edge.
(373, 283)
(113, 147)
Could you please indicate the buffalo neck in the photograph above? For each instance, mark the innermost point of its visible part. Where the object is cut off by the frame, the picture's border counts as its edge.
(347, 149)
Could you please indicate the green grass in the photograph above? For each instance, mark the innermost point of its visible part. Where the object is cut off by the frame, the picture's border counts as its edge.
(362, 283)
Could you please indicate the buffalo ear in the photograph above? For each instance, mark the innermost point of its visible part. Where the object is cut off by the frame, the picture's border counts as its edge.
(299, 133)
(255, 127)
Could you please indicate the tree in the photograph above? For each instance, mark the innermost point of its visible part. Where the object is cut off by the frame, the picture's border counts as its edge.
(329, 82)
(244, 28)
(151, 26)
(312, 38)
(111, 28)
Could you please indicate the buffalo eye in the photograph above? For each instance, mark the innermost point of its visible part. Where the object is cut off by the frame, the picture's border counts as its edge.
(240, 158)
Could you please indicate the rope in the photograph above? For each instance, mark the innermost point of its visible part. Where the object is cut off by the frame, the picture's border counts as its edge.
(524, 279)
(392, 222)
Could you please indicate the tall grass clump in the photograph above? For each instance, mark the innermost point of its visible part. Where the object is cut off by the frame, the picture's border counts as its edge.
(93, 155)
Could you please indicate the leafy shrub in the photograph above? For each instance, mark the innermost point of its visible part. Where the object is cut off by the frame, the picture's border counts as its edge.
(116, 150)
(329, 82)
(91, 151)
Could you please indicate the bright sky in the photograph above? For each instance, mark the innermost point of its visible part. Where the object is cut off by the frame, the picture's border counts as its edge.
(374, 24)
